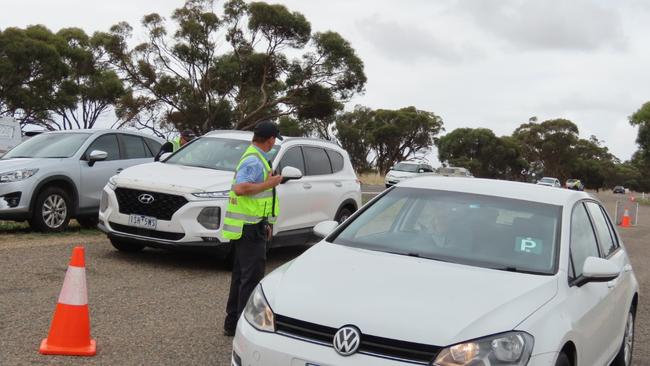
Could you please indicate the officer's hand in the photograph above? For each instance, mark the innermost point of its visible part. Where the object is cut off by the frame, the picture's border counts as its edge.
(273, 180)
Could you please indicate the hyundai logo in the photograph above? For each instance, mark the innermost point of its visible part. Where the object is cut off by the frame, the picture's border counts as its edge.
(146, 198)
(347, 340)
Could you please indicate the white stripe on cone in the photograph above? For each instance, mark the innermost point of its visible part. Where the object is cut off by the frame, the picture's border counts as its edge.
(74, 290)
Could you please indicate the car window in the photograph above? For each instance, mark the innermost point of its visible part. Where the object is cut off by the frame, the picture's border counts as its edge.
(583, 239)
(107, 143)
(605, 235)
(48, 145)
(293, 157)
(336, 159)
(316, 161)
(153, 145)
(134, 147)
(485, 231)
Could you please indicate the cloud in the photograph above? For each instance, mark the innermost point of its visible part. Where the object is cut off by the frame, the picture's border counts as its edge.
(549, 24)
(411, 43)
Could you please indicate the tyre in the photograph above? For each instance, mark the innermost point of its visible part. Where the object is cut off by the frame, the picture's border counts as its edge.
(88, 222)
(128, 247)
(343, 214)
(52, 210)
(624, 356)
(388, 185)
(563, 360)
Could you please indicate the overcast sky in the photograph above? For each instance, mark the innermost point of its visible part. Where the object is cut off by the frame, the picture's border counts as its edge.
(476, 63)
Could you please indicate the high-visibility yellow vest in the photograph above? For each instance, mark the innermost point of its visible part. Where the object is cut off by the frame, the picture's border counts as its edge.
(243, 210)
(176, 142)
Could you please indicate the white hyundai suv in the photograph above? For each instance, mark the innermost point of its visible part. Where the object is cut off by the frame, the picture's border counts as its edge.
(443, 271)
(181, 202)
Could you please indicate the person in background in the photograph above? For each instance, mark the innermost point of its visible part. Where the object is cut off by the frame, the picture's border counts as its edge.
(176, 143)
(252, 209)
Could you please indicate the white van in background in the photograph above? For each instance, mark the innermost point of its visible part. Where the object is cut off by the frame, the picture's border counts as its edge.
(10, 134)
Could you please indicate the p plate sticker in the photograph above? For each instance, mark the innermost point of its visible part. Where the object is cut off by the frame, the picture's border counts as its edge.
(529, 245)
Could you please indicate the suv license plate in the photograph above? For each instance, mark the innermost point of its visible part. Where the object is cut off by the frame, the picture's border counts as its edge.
(143, 221)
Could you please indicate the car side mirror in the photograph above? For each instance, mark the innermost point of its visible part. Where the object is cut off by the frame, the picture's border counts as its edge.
(598, 270)
(95, 156)
(290, 173)
(165, 156)
(324, 228)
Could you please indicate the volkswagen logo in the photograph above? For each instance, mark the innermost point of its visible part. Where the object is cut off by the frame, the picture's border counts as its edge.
(347, 340)
(146, 198)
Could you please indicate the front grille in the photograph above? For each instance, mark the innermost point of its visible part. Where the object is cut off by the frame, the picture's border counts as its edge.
(163, 206)
(147, 232)
(371, 345)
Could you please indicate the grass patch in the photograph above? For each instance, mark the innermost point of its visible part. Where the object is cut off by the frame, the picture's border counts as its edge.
(20, 228)
(372, 179)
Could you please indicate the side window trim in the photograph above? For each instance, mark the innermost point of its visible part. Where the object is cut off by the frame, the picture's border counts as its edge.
(84, 157)
(302, 155)
(601, 249)
(573, 281)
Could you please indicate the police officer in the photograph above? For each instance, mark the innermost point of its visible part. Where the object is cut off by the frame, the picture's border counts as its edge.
(176, 143)
(252, 209)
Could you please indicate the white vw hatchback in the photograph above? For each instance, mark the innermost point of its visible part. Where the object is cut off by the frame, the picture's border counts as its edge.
(451, 271)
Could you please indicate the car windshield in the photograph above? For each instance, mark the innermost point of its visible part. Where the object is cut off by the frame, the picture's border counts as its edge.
(214, 153)
(547, 180)
(48, 145)
(478, 230)
(404, 167)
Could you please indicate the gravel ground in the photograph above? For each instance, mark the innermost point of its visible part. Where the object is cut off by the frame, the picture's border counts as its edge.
(164, 308)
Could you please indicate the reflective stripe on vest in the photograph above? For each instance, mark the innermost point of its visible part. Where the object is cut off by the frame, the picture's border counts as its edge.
(243, 210)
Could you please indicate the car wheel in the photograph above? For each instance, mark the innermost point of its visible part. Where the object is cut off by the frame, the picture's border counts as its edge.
(51, 210)
(388, 185)
(343, 214)
(88, 222)
(128, 247)
(624, 356)
(563, 360)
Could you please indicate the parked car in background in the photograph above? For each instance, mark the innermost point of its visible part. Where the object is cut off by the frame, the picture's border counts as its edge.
(180, 202)
(55, 176)
(10, 134)
(549, 181)
(453, 171)
(574, 184)
(407, 169)
(618, 190)
(567, 294)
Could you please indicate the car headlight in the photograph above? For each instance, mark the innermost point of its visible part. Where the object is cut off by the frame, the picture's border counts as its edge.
(217, 194)
(511, 349)
(210, 218)
(112, 184)
(17, 175)
(258, 312)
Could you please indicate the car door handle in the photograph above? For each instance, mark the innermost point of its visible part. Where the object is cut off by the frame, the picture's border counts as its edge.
(306, 185)
(338, 184)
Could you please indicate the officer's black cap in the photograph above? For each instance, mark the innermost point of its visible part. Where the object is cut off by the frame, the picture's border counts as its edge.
(266, 129)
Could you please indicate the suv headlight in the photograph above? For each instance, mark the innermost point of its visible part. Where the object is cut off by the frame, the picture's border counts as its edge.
(217, 194)
(258, 312)
(511, 349)
(17, 175)
(112, 184)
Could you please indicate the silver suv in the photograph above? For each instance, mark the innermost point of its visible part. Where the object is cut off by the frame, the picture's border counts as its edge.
(56, 176)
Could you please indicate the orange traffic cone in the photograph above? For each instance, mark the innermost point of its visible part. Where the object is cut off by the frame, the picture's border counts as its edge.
(625, 221)
(70, 331)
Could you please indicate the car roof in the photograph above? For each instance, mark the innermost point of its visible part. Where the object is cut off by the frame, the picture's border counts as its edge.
(499, 188)
(248, 136)
(102, 131)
